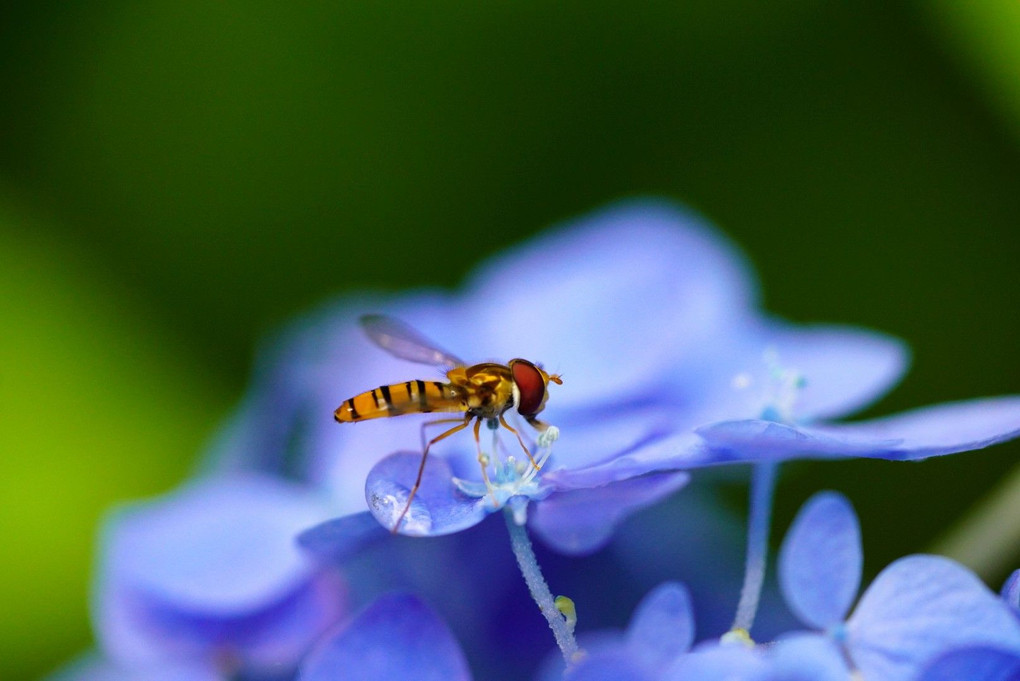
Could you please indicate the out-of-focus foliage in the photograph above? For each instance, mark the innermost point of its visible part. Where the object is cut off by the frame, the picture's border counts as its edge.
(982, 38)
(98, 402)
(204, 170)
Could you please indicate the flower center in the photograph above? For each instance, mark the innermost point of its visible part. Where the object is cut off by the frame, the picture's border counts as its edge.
(838, 633)
(509, 477)
(773, 394)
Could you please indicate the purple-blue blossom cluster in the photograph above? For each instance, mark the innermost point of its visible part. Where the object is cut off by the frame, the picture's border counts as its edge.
(277, 562)
(920, 617)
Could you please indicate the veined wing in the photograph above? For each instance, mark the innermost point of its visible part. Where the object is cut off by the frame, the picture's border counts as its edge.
(400, 340)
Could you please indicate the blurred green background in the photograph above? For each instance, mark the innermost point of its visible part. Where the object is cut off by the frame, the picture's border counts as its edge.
(176, 178)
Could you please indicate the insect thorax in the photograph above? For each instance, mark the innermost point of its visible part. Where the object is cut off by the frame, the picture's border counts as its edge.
(488, 388)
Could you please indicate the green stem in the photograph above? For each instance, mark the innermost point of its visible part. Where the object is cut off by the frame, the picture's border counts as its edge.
(982, 540)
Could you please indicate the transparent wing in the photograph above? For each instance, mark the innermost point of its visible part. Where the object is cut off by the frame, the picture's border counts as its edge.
(400, 340)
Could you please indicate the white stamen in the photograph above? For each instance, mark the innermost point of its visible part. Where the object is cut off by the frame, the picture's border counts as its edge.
(510, 477)
(742, 381)
(547, 437)
(776, 394)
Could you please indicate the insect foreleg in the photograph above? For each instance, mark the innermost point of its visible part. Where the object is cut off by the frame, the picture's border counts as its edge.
(547, 434)
(540, 426)
(502, 422)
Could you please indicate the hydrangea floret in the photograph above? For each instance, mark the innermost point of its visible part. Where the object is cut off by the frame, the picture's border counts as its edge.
(916, 609)
(211, 575)
(923, 618)
(396, 637)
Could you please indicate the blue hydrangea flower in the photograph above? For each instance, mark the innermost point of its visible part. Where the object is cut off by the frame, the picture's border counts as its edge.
(651, 318)
(657, 646)
(771, 391)
(573, 519)
(668, 365)
(916, 609)
(581, 276)
(396, 637)
(924, 618)
(471, 579)
(210, 574)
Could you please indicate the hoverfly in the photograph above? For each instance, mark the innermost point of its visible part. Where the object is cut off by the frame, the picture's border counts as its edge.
(482, 392)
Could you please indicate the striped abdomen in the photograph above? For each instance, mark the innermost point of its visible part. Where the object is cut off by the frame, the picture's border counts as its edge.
(412, 397)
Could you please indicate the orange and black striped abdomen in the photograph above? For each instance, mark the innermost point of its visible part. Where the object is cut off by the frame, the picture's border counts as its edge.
(411, 397)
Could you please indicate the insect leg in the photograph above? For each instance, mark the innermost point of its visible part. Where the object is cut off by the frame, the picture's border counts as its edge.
(516, 418)
(421, 468)
(426, 424)
(540, 426)
(483, 461)
(502, 422)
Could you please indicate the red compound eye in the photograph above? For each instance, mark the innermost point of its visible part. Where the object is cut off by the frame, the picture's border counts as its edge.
(531, 386)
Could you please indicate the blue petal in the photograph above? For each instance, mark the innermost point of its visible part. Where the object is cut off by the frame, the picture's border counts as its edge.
(214, 567)
(397, 637)
(610, 299)
(678, 451)
(301, 374)
(802, 657)
(820, 561)
(690, 537)
(610, 665)
(1011, 591)
(757, 440)
(607, 644)
(662, 627)
(842, 369)
(219, 545)
(639, 447)
(806, 657)
(437, 508)
(918, 434)
(337, 540)
(581, 521)
(597, 447)
(920, 607)
(986, 664)
(719, 662)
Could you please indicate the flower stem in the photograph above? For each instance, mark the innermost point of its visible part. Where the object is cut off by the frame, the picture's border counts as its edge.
(981, 540)
(763, 485)
(526, 561)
